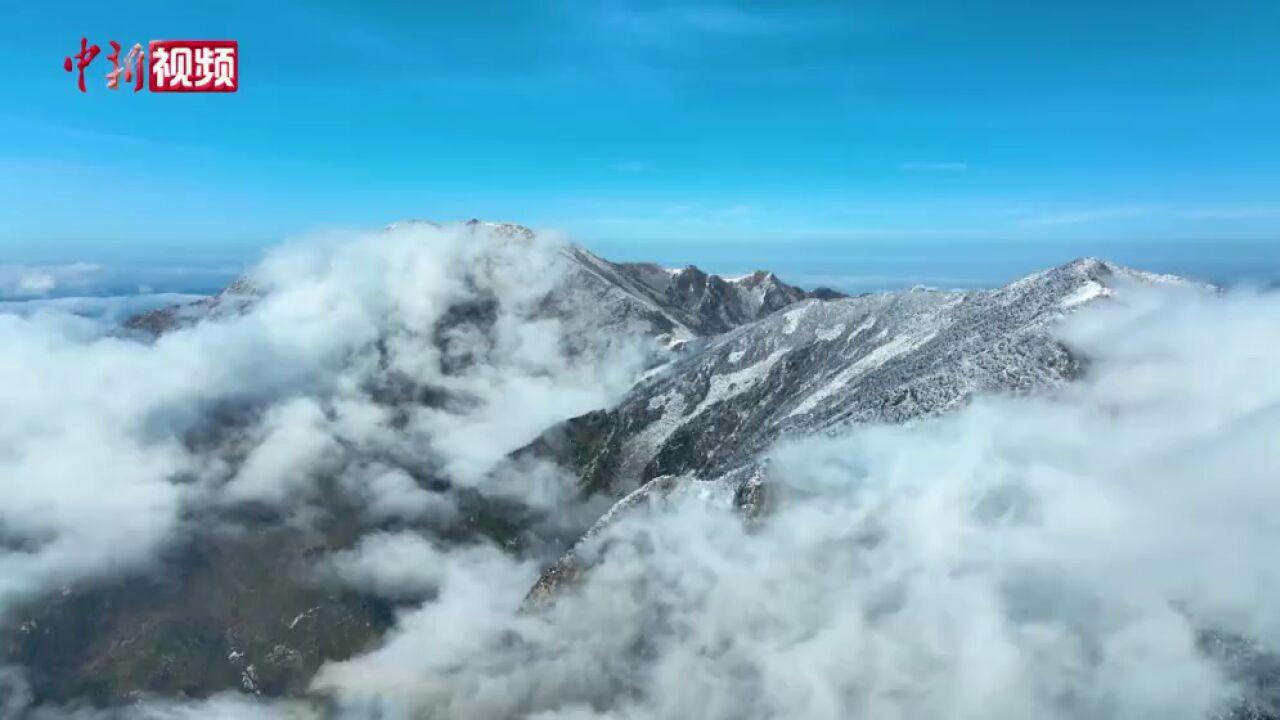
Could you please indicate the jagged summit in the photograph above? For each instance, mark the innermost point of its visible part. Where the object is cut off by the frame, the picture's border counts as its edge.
(410, 222)
(813, 365)
(754, 278)
(691, 302)
(502, 228)
(677, 304)
(1099, 270)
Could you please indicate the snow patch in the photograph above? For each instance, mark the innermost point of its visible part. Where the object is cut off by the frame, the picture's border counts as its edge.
(728, 385)
(791, 318)
(872, 360)
(646, 443)
(306, 613)
(1089, 291)
(660, 401)
(831, 333)
(866, 325)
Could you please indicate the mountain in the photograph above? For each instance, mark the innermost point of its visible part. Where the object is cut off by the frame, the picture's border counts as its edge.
(818, 365)
(886, 357)
(675, 304)
(683, 303)
(757, 360)
(235, 299)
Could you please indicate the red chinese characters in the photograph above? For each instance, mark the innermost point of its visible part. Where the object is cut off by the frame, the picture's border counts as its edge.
(194, 66)
(83, 58)
(132, 67)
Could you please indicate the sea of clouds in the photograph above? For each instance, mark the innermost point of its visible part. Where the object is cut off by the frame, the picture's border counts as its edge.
(1084, 554)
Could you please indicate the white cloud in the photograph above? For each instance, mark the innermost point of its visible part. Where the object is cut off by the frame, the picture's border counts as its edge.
(292, 445)
(391, 493)
(394, 565)
(31, 281)
(101, 458)
(1050, 557)
(110, 311)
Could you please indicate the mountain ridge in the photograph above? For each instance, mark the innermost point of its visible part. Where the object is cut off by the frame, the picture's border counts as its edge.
(907, 353)
(923, 352)
(678, 305)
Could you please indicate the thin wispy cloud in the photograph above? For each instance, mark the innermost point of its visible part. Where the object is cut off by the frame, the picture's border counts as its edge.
(932, 166)
(631, 167)
(1085, 216)
(353, 33)
(721, 19)
(852, 282)
(1230, 212)
(30, 281)
(656, 22)
(1166, 212)
(79, 132)
(663, 21)
(87, 279)
(684, 221)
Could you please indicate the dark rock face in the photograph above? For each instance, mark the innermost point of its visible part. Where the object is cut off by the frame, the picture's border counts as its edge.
(681, 303)
(1256, 670)
(235, 607)
(230, 612)
(234, 300)
(710, 304)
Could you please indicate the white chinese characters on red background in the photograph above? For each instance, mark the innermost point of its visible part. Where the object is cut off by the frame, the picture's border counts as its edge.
(194, 66)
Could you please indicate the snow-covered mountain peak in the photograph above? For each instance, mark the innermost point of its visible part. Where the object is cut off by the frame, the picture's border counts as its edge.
(815, 364)
(686, 302)
(754, 278)
(501, 228)
(410, 222)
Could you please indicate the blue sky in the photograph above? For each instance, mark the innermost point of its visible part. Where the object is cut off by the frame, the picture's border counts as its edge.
(806, 135)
